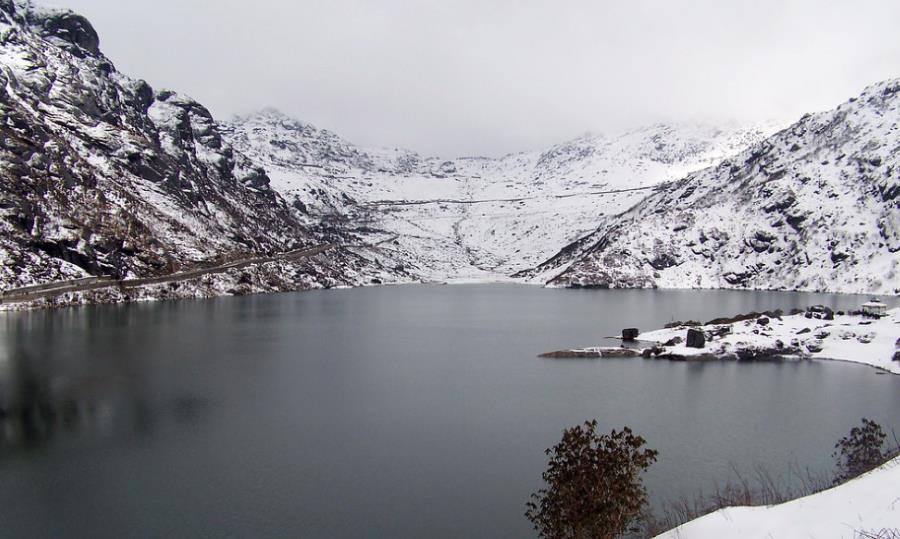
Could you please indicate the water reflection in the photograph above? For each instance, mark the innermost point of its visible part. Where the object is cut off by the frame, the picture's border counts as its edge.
(48, 390)
(416, 411)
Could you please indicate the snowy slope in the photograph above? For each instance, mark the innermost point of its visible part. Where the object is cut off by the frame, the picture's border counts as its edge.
(101, 175)
(870, 504)
(474, 217)
(814, 207)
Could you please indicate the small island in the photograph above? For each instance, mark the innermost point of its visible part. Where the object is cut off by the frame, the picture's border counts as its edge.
(868, 336)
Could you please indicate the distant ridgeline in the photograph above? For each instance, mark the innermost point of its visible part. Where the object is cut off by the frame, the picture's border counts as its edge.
(102, 176)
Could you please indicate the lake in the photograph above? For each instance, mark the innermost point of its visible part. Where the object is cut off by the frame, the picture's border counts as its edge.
(399, 412)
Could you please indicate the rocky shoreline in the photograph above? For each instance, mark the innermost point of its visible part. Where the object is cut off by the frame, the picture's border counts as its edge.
(814, 333)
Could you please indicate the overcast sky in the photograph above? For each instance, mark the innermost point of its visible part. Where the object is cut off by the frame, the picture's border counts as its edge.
(488, 77)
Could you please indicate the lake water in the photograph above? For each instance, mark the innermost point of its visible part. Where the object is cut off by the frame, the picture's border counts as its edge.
(397, 412)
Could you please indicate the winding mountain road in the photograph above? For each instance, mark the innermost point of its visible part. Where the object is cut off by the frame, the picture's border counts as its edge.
(376, 203)
(33, 292)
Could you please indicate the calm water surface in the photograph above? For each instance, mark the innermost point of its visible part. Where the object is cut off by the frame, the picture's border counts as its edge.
(402, 412)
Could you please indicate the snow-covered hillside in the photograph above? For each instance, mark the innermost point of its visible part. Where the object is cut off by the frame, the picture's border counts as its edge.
(814, 207)
(451, 219)
(101, 175)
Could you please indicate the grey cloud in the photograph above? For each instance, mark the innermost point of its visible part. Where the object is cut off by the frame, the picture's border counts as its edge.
(480, 77)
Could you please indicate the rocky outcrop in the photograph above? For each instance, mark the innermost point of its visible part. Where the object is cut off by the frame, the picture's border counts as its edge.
(100, 175)
(695, 339)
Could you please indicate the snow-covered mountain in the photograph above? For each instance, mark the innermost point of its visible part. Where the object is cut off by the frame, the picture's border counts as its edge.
(814, 207)
(101, 175)
(474, 217)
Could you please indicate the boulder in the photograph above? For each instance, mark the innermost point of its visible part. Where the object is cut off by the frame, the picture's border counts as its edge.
(813, 346)
(896, 356)
(695, 339)
(676, 340)
(821, 312)
(763, 321)
(630, 334)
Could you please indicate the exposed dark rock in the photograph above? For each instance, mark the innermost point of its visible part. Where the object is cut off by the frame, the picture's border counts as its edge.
(718, 332)
(607, 353)
(663, 261)
(682, 324)
(630, 334)
(763, 321)
(695, 339)
(821, 312)
(748, 316)
(67, 26)
(676, 340)
(814, 346)
(765, 353)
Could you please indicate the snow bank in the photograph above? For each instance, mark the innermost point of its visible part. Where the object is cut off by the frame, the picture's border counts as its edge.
(869, 503)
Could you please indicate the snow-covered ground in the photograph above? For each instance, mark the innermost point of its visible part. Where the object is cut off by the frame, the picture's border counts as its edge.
(474, 217)
(869, 503)
(813, 208)
(845, 338)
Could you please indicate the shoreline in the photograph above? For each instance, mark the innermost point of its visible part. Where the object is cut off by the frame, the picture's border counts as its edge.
(145, 293)
(817, 333)
(867, 503)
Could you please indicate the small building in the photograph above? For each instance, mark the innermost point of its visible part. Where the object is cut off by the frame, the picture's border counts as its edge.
(874, 308)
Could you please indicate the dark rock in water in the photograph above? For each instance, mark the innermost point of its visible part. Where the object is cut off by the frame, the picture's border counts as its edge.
(695, 339)
(592, 353)
(763, 321)
(630, 334)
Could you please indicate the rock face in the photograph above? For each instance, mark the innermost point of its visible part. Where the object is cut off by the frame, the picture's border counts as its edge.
(814, 207)
(101, 175)
(695, 339)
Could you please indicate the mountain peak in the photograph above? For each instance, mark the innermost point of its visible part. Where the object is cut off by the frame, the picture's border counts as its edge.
(60, 25)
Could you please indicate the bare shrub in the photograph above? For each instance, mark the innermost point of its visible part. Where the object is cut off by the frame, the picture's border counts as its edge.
(859, 451)
(594, 488)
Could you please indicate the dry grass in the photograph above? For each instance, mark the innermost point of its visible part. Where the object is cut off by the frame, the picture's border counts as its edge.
(886, 533)
(758, 487)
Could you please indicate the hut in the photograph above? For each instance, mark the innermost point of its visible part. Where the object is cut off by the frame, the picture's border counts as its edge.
(874, 308)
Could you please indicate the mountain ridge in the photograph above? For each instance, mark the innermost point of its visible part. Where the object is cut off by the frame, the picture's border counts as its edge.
(814, 207)
(103, 176)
